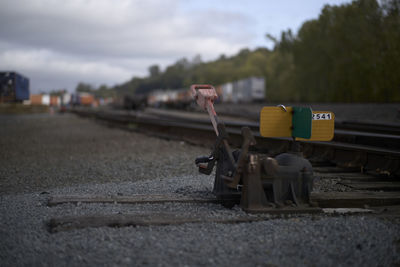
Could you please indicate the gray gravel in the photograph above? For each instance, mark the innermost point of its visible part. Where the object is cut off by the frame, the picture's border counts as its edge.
(323, 184)
(294, 241)
(102, 169)
(43, 151)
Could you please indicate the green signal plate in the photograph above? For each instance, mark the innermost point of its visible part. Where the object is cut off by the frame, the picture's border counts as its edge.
(302, 122)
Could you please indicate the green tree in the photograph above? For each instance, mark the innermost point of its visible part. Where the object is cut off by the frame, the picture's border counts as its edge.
(350, 53)
(154, 71)
(84, 88)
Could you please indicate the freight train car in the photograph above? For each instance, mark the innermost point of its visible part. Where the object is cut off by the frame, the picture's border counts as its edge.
(247, 90)
(45, 100)
(82, 99)
(178, 98)
(86, 99)
(13, 87)
(36, 99)
(226, 93)
(244, 91)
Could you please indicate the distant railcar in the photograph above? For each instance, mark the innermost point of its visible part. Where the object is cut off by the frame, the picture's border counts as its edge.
(177, 98)
(55, 101)
(172, 98)
(226, 94)
(36, 99)
(13, 87)
(82, 99)
(244, 91)
(87, 99)
(157, 98)
(65, 99)
(75, 100)
(45, 100)
(184, 99)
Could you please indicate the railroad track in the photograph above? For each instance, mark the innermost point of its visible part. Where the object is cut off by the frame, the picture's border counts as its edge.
(337, 204)
(366, 177)
(366, 151)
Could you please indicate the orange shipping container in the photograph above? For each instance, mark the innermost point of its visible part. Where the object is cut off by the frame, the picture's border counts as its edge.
(36, 99)
(53, 101)
(87, 100)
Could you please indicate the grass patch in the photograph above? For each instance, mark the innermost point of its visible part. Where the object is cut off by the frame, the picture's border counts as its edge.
(17, 108)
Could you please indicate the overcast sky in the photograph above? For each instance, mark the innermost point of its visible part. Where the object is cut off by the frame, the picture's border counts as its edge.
(59, 43)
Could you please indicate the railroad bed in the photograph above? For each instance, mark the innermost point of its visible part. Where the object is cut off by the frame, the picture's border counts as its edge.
(46, 156)
(357, 145)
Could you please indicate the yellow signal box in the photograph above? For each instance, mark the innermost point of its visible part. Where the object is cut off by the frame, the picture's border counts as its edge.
(278, 122)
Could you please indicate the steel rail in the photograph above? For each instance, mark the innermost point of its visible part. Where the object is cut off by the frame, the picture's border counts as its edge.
(366, 157)
(383, 135)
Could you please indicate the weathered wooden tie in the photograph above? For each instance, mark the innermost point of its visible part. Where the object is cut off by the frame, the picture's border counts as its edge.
(323, 199)
(134, 199)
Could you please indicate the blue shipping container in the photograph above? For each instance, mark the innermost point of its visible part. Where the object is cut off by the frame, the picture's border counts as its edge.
(13, 87)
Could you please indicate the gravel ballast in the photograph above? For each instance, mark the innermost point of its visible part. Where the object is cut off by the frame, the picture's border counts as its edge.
(46, 155)
(42, 151)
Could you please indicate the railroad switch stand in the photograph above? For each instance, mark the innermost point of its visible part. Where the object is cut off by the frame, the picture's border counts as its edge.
(256, 181)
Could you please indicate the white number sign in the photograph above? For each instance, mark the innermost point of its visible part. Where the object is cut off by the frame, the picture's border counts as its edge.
(321, 116)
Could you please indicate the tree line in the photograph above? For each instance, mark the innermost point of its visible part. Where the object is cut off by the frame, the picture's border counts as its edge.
(350, 53)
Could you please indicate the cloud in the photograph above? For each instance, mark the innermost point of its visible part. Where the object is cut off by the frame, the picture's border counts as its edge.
(48, 66)
(117, 28)
(109, 41)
